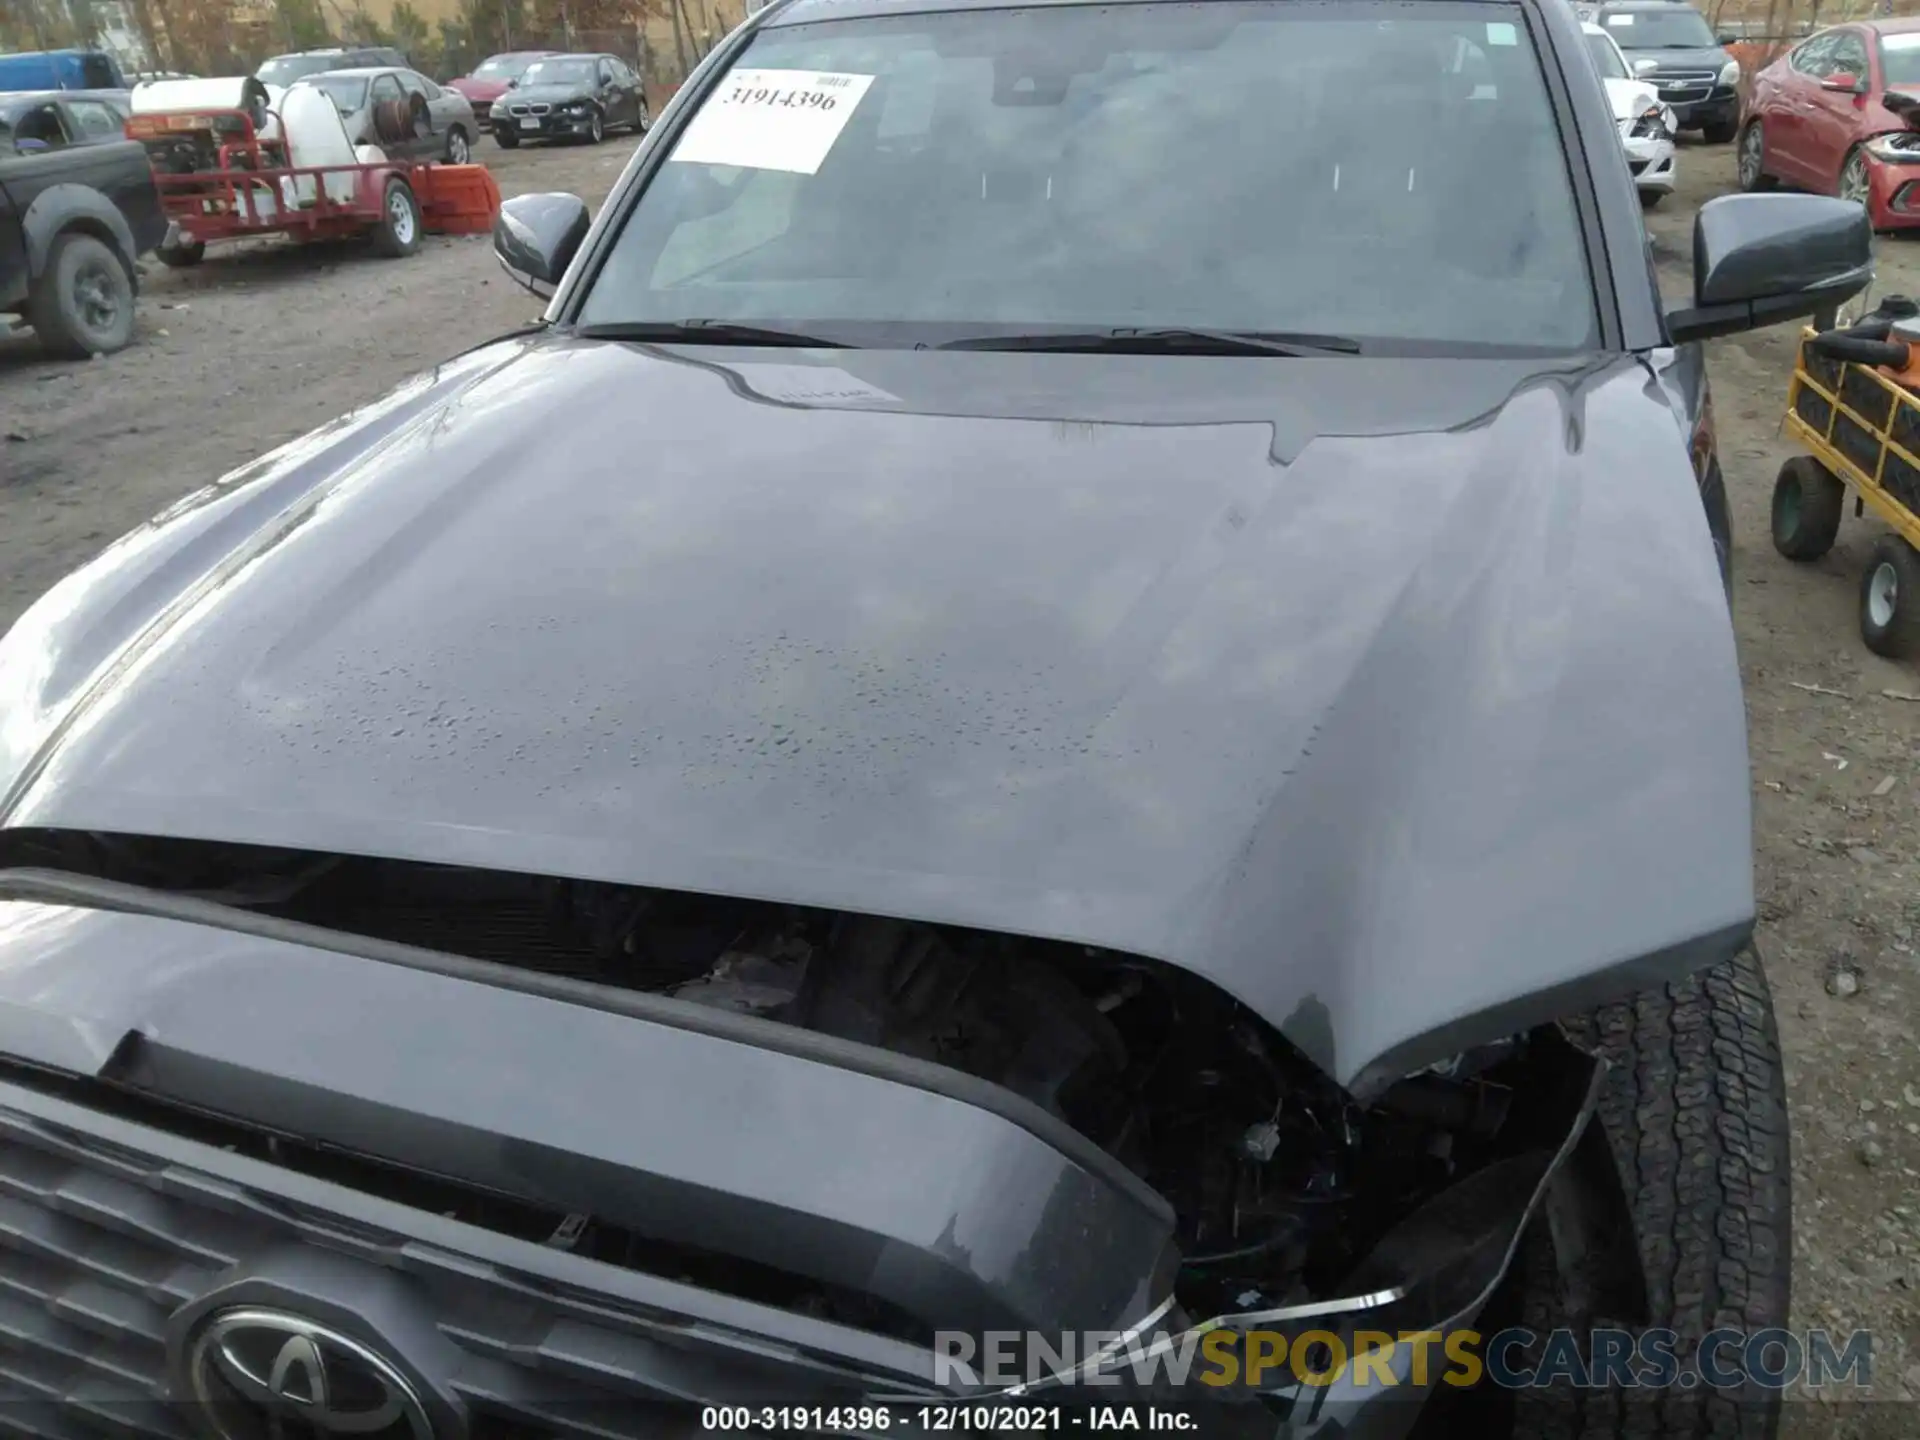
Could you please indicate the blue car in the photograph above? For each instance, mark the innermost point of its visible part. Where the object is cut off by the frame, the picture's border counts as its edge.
(61, 70)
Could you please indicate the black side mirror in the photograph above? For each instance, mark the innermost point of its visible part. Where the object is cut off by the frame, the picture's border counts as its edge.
(537, 236)
(1761, 259)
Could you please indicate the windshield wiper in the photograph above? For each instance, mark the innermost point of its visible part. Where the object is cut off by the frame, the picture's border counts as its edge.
(709, 332)
(1182, 340)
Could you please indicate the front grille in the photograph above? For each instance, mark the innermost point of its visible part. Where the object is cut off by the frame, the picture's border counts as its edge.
(1684, 85)
(101, 1242)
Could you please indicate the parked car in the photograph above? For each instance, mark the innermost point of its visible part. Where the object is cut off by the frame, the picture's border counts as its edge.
(1828, 116)
(982, 731)
(55, 119)
(283, 70)
(1647, 126)
(449, 127)
(1670, 43)
(61, 70)
(580, 97)
(75, 218)
(493, 77)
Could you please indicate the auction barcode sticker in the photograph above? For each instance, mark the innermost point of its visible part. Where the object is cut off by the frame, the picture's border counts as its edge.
(772, 120)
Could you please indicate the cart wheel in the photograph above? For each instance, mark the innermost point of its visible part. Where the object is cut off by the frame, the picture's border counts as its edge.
(182, 254)
(1807, 500)
(1890, 600)
(398, 232)
(82, 304)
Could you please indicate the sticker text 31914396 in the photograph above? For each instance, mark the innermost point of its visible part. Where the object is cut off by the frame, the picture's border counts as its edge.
(772, 119)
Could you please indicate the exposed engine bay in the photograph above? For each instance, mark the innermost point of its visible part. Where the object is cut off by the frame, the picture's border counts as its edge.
(1281, 1183)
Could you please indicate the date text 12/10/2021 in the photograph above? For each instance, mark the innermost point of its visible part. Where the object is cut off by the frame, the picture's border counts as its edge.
(944, 1419)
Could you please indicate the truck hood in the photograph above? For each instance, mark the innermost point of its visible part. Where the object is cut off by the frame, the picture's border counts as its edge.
(1667, 62)
(1396, 697)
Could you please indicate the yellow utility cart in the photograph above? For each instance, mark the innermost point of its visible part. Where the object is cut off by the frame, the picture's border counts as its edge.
(1861, 427)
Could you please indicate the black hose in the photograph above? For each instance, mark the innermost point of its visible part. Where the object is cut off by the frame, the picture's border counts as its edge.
(1849, 345)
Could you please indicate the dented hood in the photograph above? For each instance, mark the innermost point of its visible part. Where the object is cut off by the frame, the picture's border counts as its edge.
(1397, 697)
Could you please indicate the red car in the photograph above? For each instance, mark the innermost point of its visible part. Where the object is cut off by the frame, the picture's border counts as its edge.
(1828, 116)
(493, 77)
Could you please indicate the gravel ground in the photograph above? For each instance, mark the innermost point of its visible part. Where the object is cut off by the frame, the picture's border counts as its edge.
(93, 449)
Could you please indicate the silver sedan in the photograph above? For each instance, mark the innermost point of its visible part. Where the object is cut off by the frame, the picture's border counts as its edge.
(439, 123)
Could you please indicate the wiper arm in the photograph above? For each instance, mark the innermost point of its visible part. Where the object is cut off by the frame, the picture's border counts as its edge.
(708, 332)
(1182, 340)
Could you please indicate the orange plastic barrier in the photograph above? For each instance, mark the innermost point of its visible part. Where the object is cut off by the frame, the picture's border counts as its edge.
(457, 199)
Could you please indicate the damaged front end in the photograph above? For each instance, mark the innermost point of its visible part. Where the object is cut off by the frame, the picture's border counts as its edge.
(1893, 171)
(971, 1147)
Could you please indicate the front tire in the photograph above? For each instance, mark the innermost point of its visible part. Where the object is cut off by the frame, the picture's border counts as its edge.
(1808, 499)
(459, 148)
(82, 304)
(1890, 600)
(506, 139)
(1751, 163)
(1719, 132)
(181, 254)
(1853, 183)
(596, 128)
(1693, 1113)
(1650, 199)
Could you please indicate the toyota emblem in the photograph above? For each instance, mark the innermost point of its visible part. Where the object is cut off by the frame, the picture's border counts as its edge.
(258, 1372)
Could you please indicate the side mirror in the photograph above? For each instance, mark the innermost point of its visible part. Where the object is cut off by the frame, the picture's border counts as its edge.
(1846, 83)
(1761, 259)
(1726, 38)
(1645, 67)
(537, 236)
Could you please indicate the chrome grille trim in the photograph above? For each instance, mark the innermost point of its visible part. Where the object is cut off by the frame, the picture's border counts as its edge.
(108, 1227)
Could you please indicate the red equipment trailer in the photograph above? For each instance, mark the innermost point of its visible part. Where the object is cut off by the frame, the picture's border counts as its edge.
(219, 180)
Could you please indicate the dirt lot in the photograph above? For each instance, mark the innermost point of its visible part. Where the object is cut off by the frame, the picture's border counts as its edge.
(92, 449)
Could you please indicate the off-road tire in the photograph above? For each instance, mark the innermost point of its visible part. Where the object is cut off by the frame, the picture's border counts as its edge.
(82, 302)
(1891, 627)
(1753, 178)
(1693, 1112)
(1807, 501)
(1720, 132)
(506, 139)
(395, 236)
(181, 255)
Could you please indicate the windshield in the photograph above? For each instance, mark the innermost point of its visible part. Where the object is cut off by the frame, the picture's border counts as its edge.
(288, 68)
(1606, 59)
(924, 177)
(348, 92)
(1677, 29)
(558, 72)
(1900, 59)
(503, 67)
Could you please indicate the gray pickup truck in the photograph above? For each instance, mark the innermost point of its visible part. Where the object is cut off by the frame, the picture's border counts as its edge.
(74, 219)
